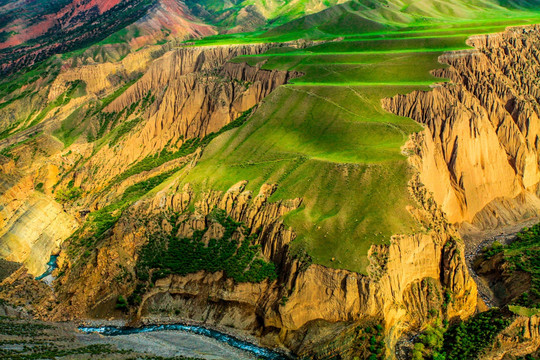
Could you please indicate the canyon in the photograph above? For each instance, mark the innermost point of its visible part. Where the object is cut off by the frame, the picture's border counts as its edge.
(128, 163)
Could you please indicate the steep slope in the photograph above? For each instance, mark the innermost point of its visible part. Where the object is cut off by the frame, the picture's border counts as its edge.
(158, 154)
(491, 174)
(51, 28)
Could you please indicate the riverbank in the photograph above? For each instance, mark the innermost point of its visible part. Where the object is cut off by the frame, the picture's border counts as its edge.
(178, 339)
(170, 344)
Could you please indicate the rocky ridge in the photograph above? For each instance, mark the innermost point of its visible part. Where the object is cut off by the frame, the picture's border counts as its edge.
(407, 279)
(480, 152)
(195, 92)
(481, 141)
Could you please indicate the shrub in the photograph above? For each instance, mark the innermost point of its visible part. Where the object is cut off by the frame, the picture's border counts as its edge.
(121, 303)
(68, 195)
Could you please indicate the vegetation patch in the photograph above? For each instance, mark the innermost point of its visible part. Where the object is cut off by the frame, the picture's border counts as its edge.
(523, 255)
(75, 89)
(68, 195)
(167, 253)
(371, 342)
(468, 339)
(123, 129)
(430, 343)
(48, 69)
(110, 98)
(188, 147)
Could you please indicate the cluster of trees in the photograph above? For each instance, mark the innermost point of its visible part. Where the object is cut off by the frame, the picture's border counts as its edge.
(466, 340)
(430, 343)
(523, 255)
(469, 338)
(370, 343)
(168, 254)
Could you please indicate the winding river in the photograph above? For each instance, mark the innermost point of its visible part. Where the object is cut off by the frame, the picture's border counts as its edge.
(260, 352)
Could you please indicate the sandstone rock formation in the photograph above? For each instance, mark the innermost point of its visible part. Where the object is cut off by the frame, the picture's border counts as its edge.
(195, 91)
(32, 224)
(481, 146)
(476, 162)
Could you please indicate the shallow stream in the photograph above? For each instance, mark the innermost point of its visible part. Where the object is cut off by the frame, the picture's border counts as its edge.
(259, 352)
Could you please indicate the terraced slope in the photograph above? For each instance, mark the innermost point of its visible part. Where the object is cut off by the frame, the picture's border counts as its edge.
(325, 135)
(145, 147)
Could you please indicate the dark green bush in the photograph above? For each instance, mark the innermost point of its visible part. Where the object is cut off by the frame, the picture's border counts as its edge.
(468, 339)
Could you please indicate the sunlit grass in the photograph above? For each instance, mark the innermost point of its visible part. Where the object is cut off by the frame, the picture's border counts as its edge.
(325, 138)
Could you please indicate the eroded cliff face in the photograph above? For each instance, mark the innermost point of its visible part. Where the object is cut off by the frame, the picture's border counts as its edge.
(119, 252)
(480, 148)
(475, 162)
(189, 93)
(194, 92)
(31, 223)
(406, 283)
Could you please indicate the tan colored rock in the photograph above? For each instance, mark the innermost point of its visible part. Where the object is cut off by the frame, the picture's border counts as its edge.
(480, 149)
(32, 224)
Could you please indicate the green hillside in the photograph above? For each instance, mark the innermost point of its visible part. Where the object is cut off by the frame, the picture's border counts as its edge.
(325, 137)
(256, 13)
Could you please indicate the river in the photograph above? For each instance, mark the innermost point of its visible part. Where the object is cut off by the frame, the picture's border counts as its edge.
(185, 340)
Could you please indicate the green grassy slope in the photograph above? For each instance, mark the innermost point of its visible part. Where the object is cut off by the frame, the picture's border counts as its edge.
(228, 14)
(325, 137)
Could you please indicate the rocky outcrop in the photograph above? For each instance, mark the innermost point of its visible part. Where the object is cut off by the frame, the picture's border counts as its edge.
(226, 89)
(506, 283)
(481, 145)
(202, 89)
(21, 289)
(520, 338)
(194, 92)
(119, 252)
(31, 223)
